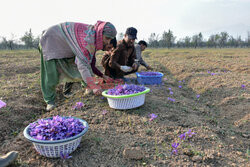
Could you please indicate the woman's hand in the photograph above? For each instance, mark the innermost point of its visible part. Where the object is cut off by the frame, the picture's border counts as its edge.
(97, 92)
(107, 79)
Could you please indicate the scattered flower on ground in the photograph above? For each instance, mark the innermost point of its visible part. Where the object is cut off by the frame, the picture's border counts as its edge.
(182, 138)
(104, 112)
(152, 117)
(174, 147)
(197, 96)
(65, 156)
(2, 104)
(78, 105)
(189, 133)
(170, 99)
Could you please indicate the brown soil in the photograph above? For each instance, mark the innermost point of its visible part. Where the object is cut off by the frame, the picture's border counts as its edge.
(220, 117)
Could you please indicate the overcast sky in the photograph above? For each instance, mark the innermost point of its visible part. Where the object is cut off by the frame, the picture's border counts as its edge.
(183, 17)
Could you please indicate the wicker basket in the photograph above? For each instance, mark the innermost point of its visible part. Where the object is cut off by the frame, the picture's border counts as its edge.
(126, 101)
(55, 148)
(149, 80)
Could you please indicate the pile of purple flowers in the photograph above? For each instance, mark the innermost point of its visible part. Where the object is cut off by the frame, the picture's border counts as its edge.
(126, 89)
(57, 128)
(149, 73)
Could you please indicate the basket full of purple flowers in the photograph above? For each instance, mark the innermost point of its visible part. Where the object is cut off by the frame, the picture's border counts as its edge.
(149, 78)
(56, 136)
(126, 96)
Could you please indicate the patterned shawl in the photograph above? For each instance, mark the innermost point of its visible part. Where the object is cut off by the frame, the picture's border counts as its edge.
(84, 39)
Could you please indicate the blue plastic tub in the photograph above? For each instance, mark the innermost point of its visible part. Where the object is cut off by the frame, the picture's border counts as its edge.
(149, 80)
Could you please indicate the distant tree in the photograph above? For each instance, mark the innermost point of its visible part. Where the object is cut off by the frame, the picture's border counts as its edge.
(187, 41)
(211, 41)
(239, 41)
(8, 43)
(28, 39)
(168, 38)
(195, 39)
(223, 39)
(248, 39)
(200, 39)
(232, 42)
(153, 40)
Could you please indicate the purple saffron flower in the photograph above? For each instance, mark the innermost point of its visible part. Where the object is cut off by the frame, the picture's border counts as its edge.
(56, 128)
(171, 92)
(169, 88)
(65, 156)
(197, 96)
(180, 86)
(208, 72)
(183, 81)
(78, 105)
(126, 89)
(189, 133)
(182, 136)
(170, 99)
(2, 104)
(152, 117)
(242, 86)
(175, 145)
(175, 152)
(104, 112)
(179, 81)
(213, 74)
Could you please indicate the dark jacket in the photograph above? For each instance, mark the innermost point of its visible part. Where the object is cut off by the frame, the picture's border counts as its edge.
(122, 55)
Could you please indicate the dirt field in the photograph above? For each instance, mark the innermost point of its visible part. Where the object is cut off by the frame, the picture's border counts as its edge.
(219, 117)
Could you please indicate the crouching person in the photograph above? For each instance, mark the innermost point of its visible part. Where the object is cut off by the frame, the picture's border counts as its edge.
(122, 60)
(68, 55)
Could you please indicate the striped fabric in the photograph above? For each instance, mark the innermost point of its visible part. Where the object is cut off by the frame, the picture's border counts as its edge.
(84, 39)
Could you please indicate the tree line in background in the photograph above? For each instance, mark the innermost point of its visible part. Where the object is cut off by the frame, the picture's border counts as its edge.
(166, 40)
(27, 41)
(220, 40)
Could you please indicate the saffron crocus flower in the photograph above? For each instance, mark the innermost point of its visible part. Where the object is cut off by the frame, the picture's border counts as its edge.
(197, 96)
(104, 112)
(179, 81)
(152, 117)
(2, 104)
(126, 89)
(169, 88)
(189, 133)
(170, 99)
(180, 86)
(208, 72)
(171, 92)
(242, 86)
(182, 136)
(175, 152)
(65, 156)
(174, 146)
(213, 74)
(56, 128)
(78, 105)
